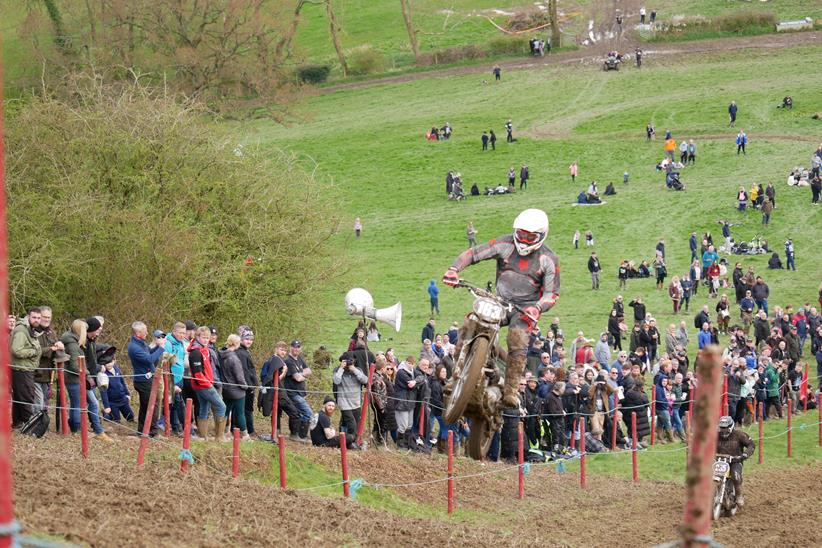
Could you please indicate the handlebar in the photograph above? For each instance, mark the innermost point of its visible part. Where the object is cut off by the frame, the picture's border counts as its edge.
(480, 292)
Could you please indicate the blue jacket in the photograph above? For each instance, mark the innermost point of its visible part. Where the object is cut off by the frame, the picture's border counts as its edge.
(704, 339)
(173, 346)
(143, 358)
(433, 290)
(692, 243)
(709, 258)
(660, 400)
(117, 389)
(742, 139)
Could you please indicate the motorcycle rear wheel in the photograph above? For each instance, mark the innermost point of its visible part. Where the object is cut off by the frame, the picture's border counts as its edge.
(465, 385)
(479, 440)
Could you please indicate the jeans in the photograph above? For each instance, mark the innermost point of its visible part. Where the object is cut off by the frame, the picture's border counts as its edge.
(74, 406)
(94, 415)
(676, 419)
(663, 420)
(236, 408)
(762, 305)
(435, 305)
(765, 218)
(178, 412)
(790, 264)
(209, 398)
(350, 420)
(302, 406)
(249, 411)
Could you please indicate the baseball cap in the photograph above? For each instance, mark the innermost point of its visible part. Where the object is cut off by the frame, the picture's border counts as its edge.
(247, 335)
(159, 333)
(190, 325)
(296, 344)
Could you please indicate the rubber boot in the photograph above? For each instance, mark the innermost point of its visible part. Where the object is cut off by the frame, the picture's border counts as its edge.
(660, 436)
(402, 441)
(219, 430)
(304, 432)
(740, 500)
(202, 429)
(682, 437)
(514, 367)
(294, 428)
(669, 435)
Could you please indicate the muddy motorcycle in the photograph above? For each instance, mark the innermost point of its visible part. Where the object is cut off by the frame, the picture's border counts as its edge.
(475, 390)
(724, 493)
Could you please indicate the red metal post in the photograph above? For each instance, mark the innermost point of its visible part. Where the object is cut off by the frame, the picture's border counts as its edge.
(186, 434)
(344, 459)
(790, 429)
(275, 408)
(634, 447)
(699, 475)
(167, 403)
(81, 367)
(614, 425)
(152, 401)
(6, 498)
(761, 426)
(691, 417)
(583, 483)
(235, 455)
(450, 471)
(364, 414)
(725, 394)
(64, 411)
(653, 416)
(422, 420)
(281, 447)
(573, 434)
(520, 461)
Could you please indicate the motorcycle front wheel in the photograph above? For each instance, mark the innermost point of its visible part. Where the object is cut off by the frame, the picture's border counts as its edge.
(717, 509)
(467, 382)
(479, 440)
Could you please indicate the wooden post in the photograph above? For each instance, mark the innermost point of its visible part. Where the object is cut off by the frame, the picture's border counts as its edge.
(699, 476)
(186, 434)
(364, 414)
(582, 481)
(166, 404)
(152, 401)
(520, 460)
(235, 454)
(634, 447)
(81, 368)
(344, 460)
(761, 408)
(450, 471)
(281, 451)
(64, 410)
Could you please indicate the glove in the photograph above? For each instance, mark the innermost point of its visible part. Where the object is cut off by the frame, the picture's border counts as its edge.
(451, 277)
(737, 459)
(531, 316)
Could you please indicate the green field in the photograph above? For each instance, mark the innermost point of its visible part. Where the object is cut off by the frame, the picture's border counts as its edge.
(368, 146)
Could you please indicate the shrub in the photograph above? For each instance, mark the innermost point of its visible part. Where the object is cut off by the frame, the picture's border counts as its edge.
(313, 74)
(130, 205)
(528, 19)
(450, 55)
(740, 21)
(508, 45)
(366, 60)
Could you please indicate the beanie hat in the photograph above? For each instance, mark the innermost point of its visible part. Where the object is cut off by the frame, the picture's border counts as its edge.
(93, 324)
(328, 399)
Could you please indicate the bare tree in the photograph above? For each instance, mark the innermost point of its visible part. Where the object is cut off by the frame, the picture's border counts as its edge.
(555, 36)
(409, 26)
(332, 22)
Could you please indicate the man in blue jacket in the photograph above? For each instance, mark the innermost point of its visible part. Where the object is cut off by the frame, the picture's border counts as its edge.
(143, 359)
(704, 337)
(434, 294)
(176, 343)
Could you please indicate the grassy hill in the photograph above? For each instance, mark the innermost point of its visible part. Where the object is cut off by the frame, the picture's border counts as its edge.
(368, 144)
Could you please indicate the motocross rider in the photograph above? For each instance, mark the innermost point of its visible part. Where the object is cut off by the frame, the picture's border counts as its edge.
(739, 446)
(527, 276)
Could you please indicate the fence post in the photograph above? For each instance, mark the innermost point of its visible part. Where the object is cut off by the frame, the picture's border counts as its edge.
(573, 434)
(275, 406)
(582, 481)
(344, 460)
(790, 429)
(653, 416)
(761, 413)
(64, 411)
(152, 401)
(819, 409)
(725, 410)
(235, 454)
(81, 368)
(450, 471)
(422, 421)
(699, 474)
(166, 404)
(281, 451)
(520, 461)
(364, 413)
(634, 447)
(186, 435)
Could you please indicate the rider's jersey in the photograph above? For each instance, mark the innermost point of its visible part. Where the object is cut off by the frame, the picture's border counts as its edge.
(530, 280)
(737, 444)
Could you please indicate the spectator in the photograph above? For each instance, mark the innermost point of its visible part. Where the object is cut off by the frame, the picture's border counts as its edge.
(691, 152)
(574, 169)
(234, 384)
(471, 232)
(594, 268)
(143, 360)
(615, 330)
(622, 274)
(357, 227)
(509, 129)
(25, 359)
(602, 352)
(434, 296)
(202, 364)
(760, 293)
(642, 15)
(686, 289)
(484, 139)
(176, 345)
(428, 331)
(660, 270)
(589, 238)
(116, 398)
(675, 293)
(492, 138)
(741, 141)
(436, 384)
(669, 147)
(746, 306)
(639, 310)
(636, 401)
(427, 353)
(298, 372)
(649, 131)
(275, 365)
(704, 338)
(723, 313)
(497, 72)
(683, 151)
(663, 400)
(575, 239)
(653, 16)
(382, 390)
(405, 396)
(555, 413)
(732, 109)
(348, 381)
(453, 333)
(45, 374)
(789, 255)
(250, 376)
(74, 342)
(523, 176)
(322, 433)
(372, 335)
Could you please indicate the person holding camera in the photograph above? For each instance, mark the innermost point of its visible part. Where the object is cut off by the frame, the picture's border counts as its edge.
(143, 360)
(348, 381)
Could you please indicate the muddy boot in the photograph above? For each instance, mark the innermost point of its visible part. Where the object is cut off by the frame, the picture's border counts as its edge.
(682, 437)
(219, 430)
(402, 442)
(202, 429)
(304, 425)
(294, 428)
(660, 436)
(245, 436)
(740, 500)
(514, 367)
(669, 435)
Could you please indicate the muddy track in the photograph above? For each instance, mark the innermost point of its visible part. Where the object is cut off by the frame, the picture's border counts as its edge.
(593, 54)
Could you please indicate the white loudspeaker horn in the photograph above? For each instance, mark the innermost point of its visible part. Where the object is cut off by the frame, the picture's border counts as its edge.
(359, 302)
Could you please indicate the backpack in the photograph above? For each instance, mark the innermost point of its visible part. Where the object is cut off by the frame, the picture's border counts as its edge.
(37, 425)
(535, 455)
(593, 445)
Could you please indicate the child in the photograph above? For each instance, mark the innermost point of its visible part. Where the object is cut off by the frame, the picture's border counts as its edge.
(575, 241)
(116, 397)
(589, 238)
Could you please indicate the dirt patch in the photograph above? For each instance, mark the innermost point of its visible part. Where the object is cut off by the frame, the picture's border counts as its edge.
(594, 55)
(108, 501)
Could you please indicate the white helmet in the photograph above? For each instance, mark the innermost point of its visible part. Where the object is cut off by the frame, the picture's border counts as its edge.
(530, 230)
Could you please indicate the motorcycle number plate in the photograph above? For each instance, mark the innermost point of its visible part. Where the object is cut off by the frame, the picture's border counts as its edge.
(489, 310)
(721, 468)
